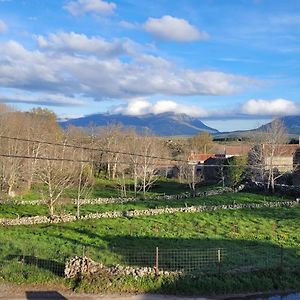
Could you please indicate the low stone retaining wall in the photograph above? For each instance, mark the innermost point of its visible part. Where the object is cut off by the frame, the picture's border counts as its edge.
(23, 202)
(86, 267)
(145, 212)
(280, 189)
(120, 200)
(189, 209)
(164, 197)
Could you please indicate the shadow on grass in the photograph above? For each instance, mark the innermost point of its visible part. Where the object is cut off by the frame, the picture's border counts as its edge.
(240, 266)
(55, 267)
(235, 253)
(243, 266)
(185, 253)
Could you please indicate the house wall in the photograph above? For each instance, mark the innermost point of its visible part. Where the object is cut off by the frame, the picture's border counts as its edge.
(296, 174)
(282, 163)
(213, 174)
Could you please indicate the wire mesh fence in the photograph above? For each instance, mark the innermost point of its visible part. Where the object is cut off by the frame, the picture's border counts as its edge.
(211, 260)
(187, 260)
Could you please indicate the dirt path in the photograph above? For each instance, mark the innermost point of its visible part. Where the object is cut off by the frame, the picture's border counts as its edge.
(21, 292)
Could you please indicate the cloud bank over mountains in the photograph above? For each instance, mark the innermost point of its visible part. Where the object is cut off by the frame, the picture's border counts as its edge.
(250, 109)
(276, 107)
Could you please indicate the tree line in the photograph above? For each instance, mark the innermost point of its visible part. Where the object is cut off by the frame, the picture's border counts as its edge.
(74, 157)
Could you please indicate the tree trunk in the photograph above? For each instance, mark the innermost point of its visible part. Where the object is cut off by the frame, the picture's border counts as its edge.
(78, 209)
(144, 185)
(9, 190)
(135, 182)
(51, 208)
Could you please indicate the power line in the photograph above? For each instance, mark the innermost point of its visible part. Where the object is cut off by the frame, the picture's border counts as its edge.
(91, 149)
(42, 158)
(171, 160)
(75, 160)
(256, 166)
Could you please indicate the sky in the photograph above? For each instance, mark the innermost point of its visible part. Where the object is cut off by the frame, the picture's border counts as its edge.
(232, 64)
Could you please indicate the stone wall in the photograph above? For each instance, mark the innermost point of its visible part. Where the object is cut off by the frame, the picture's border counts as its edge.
(280, 189)
(119, 200)
(86, 267)
(23, 202)
(145, 212)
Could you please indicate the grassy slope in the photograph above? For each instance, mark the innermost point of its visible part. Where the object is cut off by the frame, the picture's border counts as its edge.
(234, 230)
(44, 248)
(13, 211)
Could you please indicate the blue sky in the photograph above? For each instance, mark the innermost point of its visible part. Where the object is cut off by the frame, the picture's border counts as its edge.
(233, 64)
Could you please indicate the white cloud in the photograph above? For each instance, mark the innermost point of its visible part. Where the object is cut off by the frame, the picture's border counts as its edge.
(141, 106)
(171, 106)
(173, 29)
(276, 107)
(81, 7)
(3, 26)
(102, 77)
(19, 96)
(66, 117)
(251, 110)
(135, 107)
(75, 42)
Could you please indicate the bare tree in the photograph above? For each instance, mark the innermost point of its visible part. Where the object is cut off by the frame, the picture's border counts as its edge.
(201, 142)
(276, 137)
(40, 123)
(83, 179)
(12, 169)
(266, 152)
(57, 175)
(112, 138)
(190, 175)
(144, 166)
(83, 176)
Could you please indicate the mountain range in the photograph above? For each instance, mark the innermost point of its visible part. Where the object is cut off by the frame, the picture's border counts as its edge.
(165, 124)
(170, 124)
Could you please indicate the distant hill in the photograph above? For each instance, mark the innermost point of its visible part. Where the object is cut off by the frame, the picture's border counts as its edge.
(165, 124)
(291, 124)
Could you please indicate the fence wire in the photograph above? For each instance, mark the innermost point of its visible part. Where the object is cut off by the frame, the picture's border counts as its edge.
(209, 260)
(187, 261)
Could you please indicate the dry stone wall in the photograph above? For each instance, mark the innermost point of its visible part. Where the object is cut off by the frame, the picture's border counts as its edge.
(86, 267)
(145, 212)
(281, 189)
(119, 200)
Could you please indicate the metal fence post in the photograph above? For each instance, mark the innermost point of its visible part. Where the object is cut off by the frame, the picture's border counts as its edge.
(219, 260)
(281, 256)
(156, 261)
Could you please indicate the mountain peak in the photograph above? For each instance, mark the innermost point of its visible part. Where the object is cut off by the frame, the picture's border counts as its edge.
(164, 124)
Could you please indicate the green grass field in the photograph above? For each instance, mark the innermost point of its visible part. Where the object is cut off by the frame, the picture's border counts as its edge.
(109, 188)
(264, 239)
(253, 235)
